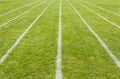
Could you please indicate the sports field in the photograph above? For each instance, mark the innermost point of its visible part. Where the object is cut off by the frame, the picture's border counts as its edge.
(59, 39)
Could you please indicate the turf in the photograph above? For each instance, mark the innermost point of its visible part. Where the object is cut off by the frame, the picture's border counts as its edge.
(83, 57)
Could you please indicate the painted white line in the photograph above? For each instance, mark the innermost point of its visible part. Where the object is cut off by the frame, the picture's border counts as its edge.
(3, 58)
(18, 8)
(25, 12)
(99, 15)
(59, 49)
(109, 52)
(103, 8)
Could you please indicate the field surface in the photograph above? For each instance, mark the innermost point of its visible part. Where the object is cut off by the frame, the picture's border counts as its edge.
(59, 39)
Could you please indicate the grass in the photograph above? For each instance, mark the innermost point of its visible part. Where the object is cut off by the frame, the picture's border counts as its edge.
(8, 5)
(83, 57)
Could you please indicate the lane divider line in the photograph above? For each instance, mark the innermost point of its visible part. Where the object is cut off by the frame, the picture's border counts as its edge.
(59, 49)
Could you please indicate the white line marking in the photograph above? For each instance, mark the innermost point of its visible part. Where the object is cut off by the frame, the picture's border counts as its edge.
(18, 8)
(99, 15)
(59, 49)
(16, 17)
(22, 35)
(109, 52)
(103, 9)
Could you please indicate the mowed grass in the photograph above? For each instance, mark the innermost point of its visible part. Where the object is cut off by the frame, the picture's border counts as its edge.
(108, 32)
(34, 57)
(83, 57)
(12, 4)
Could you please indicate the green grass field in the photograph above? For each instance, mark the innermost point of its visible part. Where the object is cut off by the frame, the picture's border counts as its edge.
(44, 39)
